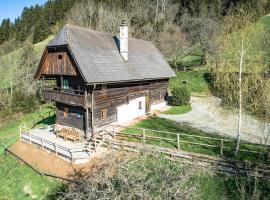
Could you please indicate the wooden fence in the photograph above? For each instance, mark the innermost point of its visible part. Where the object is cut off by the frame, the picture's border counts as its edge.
(148, 135)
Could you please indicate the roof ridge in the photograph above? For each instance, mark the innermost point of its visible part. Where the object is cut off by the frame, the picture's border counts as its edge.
(105, 33)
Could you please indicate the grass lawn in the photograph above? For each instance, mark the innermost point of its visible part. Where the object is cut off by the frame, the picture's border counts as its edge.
(17, 180)
(265, 21)
(192, 60)
(156, 123)
(195, 81)
(178, 110)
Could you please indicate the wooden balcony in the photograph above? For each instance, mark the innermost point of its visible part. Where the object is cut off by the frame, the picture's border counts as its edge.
(66, 97)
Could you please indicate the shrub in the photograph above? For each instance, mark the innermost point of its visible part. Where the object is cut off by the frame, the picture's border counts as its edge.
(22, 102)
(180, 95)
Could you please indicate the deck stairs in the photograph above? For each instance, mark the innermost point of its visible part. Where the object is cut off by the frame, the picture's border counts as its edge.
(97, 140)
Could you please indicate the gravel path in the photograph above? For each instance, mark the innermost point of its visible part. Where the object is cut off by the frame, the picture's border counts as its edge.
(209, 116)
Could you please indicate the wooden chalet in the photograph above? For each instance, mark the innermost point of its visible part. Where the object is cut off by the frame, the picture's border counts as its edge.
(99, 78)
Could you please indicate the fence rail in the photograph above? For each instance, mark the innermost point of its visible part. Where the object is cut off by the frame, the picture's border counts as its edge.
(147, 135)
(59, 150)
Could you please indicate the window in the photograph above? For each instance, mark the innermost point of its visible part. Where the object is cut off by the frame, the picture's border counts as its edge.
(65, 112)
(79, 115)
(140, 105)
(60, 57)
(65, 83)
(103, 113)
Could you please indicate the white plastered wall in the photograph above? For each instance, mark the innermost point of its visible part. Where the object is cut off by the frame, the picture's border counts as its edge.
(130, 111)
(160, 106)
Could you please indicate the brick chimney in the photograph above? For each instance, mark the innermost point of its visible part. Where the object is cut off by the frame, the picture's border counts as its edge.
(124, 40)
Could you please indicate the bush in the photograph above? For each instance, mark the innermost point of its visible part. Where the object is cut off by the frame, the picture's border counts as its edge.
(22, 102)
(180, 95)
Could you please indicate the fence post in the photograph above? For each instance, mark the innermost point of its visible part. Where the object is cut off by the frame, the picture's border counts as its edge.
(30, 137)
(72, 160)
(42, 143)
(55, 145)
(178, 142)
(221, 147)
(143, 135)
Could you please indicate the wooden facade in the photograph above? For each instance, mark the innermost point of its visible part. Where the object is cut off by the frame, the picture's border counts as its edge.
(58, 63)
(87, 106)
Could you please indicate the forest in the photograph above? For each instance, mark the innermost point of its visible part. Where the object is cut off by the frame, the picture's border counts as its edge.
(204, 33)
(204, 41)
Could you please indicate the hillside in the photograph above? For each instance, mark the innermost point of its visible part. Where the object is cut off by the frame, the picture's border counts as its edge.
(10, 62)
(201, 40)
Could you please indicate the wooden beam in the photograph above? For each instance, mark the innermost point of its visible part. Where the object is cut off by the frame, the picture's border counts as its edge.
(86, 117)
(92, 107)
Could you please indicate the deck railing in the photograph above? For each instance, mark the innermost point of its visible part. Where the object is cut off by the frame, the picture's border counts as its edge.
(67, 97)
(59, 150)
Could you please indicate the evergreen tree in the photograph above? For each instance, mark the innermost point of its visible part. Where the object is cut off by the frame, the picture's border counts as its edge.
(5, 30)
(42, 30)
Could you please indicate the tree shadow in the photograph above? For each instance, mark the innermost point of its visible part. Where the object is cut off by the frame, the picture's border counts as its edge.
(46, 121)
(209, 79)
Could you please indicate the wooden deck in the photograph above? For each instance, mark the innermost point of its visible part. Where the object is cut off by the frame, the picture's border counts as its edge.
(76, 152)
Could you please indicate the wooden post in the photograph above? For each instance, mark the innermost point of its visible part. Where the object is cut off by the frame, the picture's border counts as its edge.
(143, 135)
(178, 142)
(42, 145)
(221, 147)
(92, 110)
(55, 145)
(30, 137)
(72, 160)
(87, 123)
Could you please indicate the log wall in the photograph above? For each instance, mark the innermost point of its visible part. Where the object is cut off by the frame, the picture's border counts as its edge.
(111, 98)
(72, 118)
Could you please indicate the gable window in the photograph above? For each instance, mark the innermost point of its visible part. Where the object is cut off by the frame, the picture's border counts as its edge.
(65, 112)
(60, 57)
(103, 113)
(65, 83)
(140, 105)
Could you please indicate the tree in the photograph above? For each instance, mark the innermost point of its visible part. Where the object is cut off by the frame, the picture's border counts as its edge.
(42, 30)
(5, 30)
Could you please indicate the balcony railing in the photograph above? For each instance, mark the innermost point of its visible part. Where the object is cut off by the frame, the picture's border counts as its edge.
(70, 97)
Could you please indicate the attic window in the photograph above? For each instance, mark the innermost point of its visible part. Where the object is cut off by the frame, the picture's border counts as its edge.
(60, 57)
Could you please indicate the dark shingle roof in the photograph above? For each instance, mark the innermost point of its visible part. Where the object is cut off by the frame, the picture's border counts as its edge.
(99, 59)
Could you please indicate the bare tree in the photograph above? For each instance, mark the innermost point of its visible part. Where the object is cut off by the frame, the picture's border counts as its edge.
(240, 98)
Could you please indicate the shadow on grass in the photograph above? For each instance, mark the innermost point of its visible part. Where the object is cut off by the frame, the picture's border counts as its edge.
(45, 122)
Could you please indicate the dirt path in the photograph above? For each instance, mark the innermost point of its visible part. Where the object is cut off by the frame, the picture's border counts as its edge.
(209, 116)
(49, 162)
